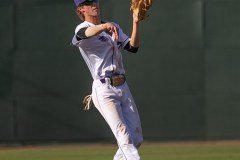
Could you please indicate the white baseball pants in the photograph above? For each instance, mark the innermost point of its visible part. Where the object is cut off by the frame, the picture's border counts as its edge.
(117, 107)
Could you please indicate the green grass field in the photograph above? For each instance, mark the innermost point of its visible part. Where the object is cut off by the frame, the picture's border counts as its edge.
(216, 150)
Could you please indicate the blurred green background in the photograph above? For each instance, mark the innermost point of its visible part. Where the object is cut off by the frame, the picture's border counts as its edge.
(185, 78)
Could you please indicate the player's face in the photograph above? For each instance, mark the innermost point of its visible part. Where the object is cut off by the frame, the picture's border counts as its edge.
(91, 9)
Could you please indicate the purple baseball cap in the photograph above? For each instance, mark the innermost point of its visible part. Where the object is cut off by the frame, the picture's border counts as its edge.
(77, 2)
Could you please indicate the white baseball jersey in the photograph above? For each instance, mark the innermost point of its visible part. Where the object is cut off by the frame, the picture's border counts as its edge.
(101, 54)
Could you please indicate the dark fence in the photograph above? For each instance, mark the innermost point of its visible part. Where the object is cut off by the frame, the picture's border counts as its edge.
(185, 78)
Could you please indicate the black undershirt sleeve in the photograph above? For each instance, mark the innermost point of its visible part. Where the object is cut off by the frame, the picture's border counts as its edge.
(130, 48)
(81, 34)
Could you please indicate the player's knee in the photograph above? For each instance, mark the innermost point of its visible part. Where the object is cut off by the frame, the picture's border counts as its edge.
(138, 138)
(138, 142)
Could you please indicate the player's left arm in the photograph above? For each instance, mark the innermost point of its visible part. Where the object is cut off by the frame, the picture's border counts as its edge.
(133, 44)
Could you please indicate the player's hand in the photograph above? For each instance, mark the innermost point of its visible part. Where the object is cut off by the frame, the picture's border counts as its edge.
(111, 29)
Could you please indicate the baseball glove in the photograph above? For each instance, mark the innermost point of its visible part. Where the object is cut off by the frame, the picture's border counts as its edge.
(140, 8)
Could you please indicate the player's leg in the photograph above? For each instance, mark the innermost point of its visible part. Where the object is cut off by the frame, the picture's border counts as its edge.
(132, 120)
(131, 117)
(118, 155)
(107, 101)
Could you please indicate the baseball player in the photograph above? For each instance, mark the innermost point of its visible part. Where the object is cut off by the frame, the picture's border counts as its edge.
(100, 44)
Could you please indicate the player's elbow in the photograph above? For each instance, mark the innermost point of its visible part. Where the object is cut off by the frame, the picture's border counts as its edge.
(130, 48)
(135, 50)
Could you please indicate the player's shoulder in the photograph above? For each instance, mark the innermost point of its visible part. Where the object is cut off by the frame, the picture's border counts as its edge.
(82, 25)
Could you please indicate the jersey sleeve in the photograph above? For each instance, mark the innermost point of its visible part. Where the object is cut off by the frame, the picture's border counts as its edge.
(75, 40)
